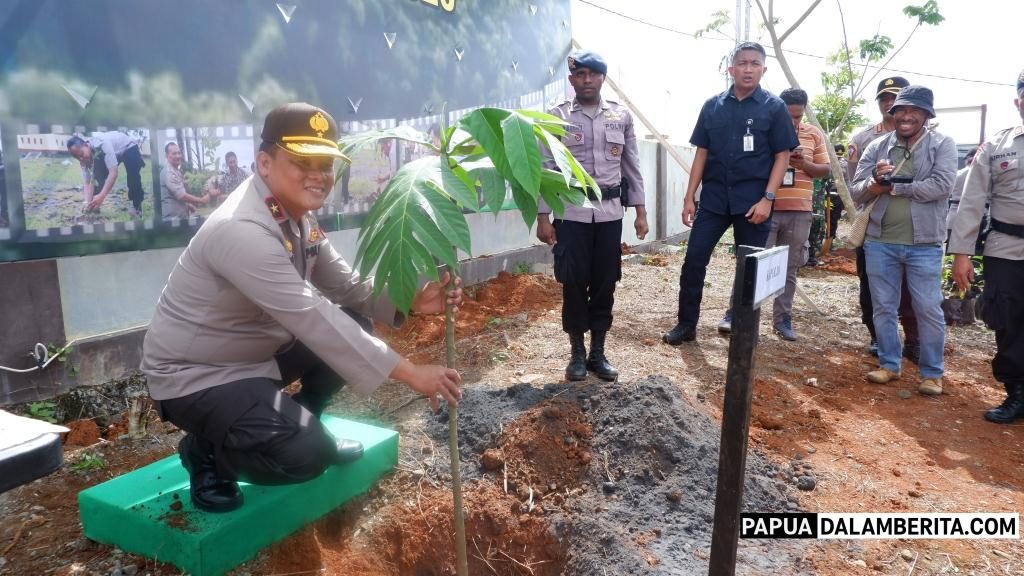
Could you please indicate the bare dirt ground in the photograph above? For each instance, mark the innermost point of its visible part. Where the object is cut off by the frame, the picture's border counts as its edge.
(547, 464)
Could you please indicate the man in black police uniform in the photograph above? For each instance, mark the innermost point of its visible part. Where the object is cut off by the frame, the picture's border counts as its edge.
(997, 177)
(587, 240)
(743, 138)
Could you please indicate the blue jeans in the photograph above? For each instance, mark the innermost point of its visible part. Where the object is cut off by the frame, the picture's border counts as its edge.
(922, 265)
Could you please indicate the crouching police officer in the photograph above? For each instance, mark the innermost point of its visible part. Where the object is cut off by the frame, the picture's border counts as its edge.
(997, 177)
(252, 305)
(587, 240)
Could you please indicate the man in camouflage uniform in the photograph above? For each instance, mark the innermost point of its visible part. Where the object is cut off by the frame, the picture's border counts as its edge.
(818, 223)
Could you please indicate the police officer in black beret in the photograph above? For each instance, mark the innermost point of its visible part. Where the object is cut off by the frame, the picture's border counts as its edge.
(587, 240)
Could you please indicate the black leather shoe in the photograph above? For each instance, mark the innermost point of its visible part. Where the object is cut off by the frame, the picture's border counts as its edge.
(208, 492)
(681, 333)
(1011, 409)
(349, 451)
(577, 368)
(597, 362)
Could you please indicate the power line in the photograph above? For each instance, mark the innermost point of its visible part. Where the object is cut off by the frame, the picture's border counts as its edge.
(798, 52)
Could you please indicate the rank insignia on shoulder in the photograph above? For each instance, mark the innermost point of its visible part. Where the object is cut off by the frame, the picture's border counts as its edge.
(276, 210)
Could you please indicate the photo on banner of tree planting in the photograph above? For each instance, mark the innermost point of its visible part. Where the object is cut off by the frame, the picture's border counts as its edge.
(359, 184)
(73, 177)
(199, 168)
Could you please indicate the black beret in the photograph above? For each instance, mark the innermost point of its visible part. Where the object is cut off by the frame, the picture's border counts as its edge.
(303, 130)
(585, 59)
(891, 85)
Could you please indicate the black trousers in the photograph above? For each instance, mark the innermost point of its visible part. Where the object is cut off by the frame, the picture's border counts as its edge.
(867, 309)
(588, 263)
(708, 228)
(1003, 312)
(133, 164)
(835, 214)
(258, 433)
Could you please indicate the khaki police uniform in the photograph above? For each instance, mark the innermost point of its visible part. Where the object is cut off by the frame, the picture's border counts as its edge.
(997, 178)
(588, 252)
(255, 302)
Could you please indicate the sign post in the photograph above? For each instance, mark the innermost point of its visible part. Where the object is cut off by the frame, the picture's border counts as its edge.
(760, 275)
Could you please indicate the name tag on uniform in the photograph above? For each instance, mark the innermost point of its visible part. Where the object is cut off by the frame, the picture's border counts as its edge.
(748, 142)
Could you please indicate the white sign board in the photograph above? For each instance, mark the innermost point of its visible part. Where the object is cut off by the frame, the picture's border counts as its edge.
(765, 275)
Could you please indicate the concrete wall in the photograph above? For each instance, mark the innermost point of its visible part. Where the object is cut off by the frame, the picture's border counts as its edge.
(104, 302)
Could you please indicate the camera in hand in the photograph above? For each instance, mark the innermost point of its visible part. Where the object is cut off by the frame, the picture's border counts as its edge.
(890, 179)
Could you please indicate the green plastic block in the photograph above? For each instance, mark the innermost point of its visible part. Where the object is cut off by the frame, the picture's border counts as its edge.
(148, 511)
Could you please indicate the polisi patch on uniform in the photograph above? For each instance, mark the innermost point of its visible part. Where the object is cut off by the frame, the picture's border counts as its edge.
(276, 210)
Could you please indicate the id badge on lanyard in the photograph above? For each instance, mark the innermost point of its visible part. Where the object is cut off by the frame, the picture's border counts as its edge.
(748, 138)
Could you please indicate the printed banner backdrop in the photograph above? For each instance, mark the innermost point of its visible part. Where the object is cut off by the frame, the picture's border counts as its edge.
(88, 89)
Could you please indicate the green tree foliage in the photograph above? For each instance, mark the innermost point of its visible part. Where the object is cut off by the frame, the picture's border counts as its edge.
(419, 217)
(836, 112)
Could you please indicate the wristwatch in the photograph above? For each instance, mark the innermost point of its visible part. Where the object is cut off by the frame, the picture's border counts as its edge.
(769, 195)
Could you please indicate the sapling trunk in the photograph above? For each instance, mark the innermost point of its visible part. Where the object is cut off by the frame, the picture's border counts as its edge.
(461, 560)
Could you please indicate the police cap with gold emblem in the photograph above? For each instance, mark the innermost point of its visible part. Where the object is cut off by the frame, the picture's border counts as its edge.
(891, 86)
(585, 59)
(302, 129)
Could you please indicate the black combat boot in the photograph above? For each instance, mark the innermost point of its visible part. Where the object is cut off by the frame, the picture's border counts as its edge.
(1011, 409)
(209, 492)
(577, 368)
(596, 362)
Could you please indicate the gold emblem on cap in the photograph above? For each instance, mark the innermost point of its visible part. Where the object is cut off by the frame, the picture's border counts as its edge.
(318, 122)
(572, 62)
(889, 82)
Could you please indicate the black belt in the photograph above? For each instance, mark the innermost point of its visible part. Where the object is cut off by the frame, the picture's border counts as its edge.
(606, 193)
(1011, 229)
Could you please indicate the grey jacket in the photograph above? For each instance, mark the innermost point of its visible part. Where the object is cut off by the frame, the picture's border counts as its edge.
(934, 173)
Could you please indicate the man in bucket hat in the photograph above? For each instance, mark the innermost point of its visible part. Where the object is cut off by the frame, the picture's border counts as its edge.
(254, 304)
(885, 95)
(909, 173)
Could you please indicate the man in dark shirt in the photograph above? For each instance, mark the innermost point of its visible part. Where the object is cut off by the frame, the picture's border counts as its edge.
(743, 138)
